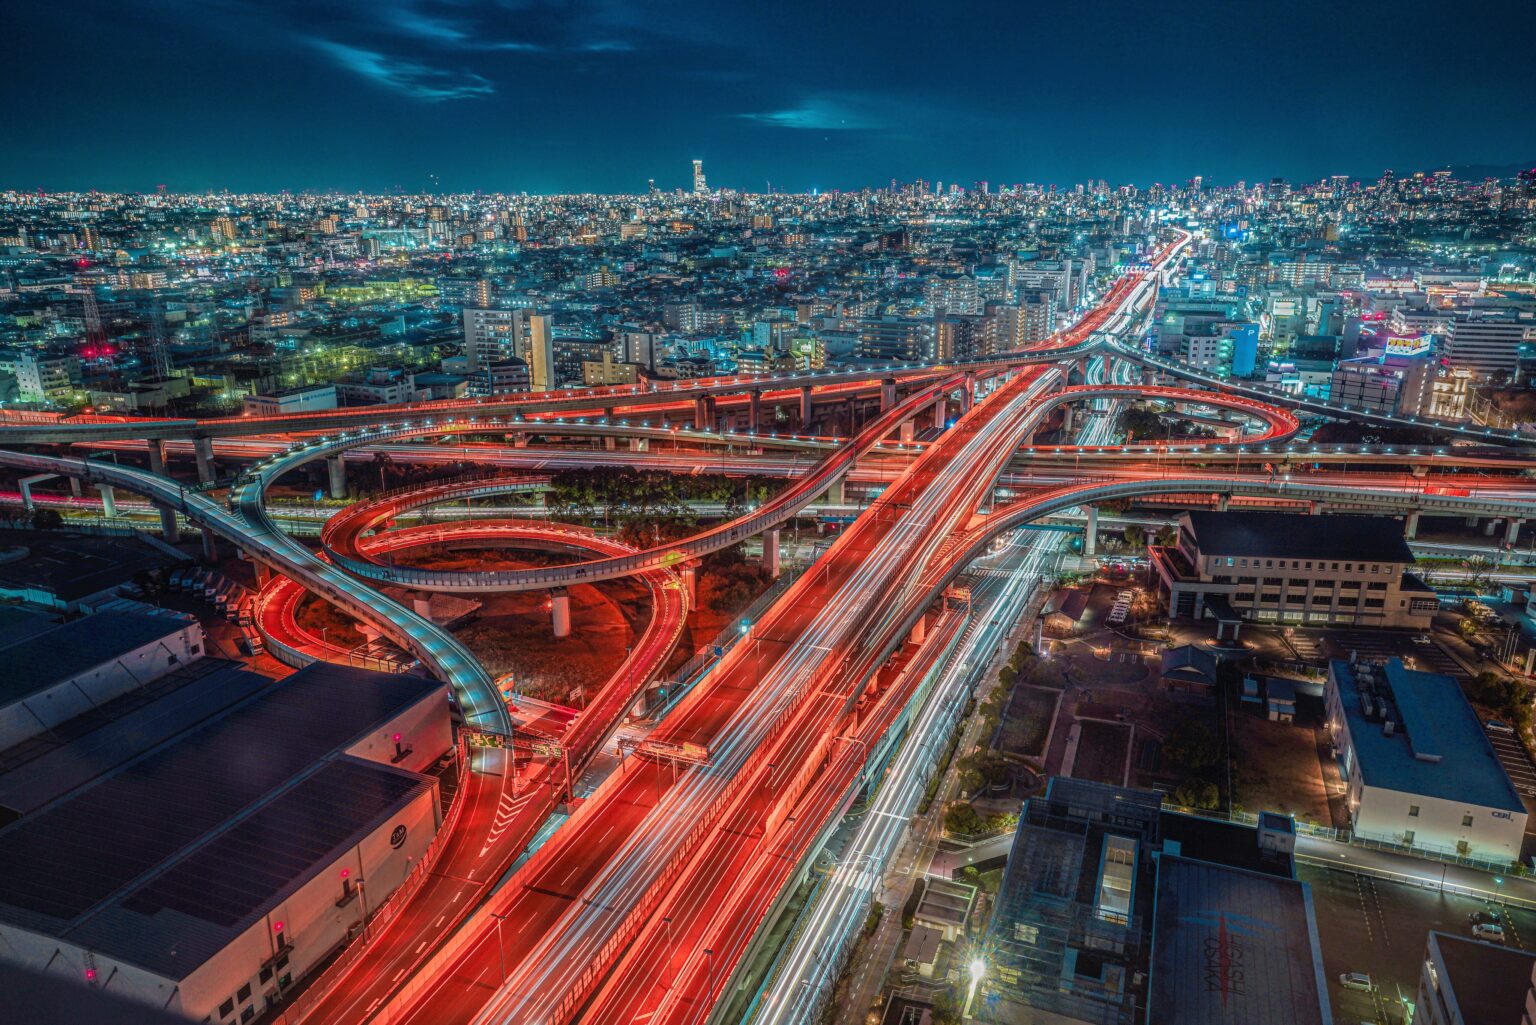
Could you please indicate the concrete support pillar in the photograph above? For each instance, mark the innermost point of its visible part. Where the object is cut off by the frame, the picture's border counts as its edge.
(836, 495)
(156, 456)
(771, 553)
(210, 546)
(1315, 508)
(1411, 525)
(108, 500)
(1419, 470)
(610, 442)
(919, 630)
(520, 440)
(560, 611)
(1471, 521)
(968, 394)
(1490, 527)
(908, 431)
(202, 448)
(337, 471)
(704, 413)
(1223, 502)
(421, 604)
(754, 410)
(1081, 366)
(1148, 376)
(170, 529)
(263, 573)
(74, 486)
(1091, 533)
(805, 406)
(689, 573)
(369, 631)
(639, 444)
(1066, 418)
(938, 414)
(1512, 531)
(887, 393)
(26, 489)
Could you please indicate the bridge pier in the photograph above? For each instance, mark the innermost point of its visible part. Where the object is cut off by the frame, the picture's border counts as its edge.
(560, 611)
(1419, 470)
(704, 413)
(263, 573)
(1223, 502)
(170, 529)
(1512, 531)
(836, 494)
(1091, 533)
(755, 410)
(919, 630)
(26, 489)
(421, 604)
(805, 407)
(336, 470)
(639, 444)
(202, 448)
(108, 500)
(210, 545)
(156, 456)
(610, 443)
(968, 394)
(1315, 508)
(690, 575)
(1411, 525)
(887, 393)
(74, 486)
(771, 553)
(1490, 527)
(938, 413)
(907, 431)
(1066, 417)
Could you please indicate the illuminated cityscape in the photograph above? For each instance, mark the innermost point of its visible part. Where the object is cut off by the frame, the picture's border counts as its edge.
(537, 519)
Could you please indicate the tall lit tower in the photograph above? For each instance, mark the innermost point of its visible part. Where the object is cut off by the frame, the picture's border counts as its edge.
(700, 188)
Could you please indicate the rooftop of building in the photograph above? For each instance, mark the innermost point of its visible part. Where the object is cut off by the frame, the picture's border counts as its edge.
(1292, 536)
(162, 861)
(1437, 747)
(48, 657)
(1219, 842)
(1232, 945)
(1489, 983)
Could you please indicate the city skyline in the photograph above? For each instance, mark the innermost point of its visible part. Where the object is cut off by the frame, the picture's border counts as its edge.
(422, 96)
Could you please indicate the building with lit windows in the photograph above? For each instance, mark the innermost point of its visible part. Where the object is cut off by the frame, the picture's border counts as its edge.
(1290, 568)
(1487, 342)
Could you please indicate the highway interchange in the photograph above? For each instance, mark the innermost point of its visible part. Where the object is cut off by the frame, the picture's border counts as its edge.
(647, 899)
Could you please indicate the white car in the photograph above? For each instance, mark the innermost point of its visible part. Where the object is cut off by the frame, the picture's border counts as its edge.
(1488, 932)
(1497, 726)
(1422, 639)
(1357, 981)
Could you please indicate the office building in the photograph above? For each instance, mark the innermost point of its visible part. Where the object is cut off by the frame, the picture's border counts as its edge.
(41, 379)
(1288, 568)
(1401, 384)
(1487, 342)
(1417, 763)
(700, 186)
(895, 339)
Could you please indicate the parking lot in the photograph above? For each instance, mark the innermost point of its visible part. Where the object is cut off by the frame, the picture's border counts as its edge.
(1379, 927)
(1375, 646)
(1516, 762)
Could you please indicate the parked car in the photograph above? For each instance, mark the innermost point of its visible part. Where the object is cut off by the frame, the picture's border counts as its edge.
(1485, 918)
(1357, 981)
(1488, 932)
(1422, 639)
(1498, 726)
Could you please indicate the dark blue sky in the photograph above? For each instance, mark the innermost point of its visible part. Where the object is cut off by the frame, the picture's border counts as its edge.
(505, 95)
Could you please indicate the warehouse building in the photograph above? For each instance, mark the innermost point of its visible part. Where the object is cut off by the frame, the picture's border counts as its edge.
(200, 851)
(1417, 764)
(56, 671)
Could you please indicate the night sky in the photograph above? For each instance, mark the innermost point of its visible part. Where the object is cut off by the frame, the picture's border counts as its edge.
(503, 95)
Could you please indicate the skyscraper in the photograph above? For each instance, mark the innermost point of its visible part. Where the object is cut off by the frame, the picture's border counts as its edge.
(700, 188)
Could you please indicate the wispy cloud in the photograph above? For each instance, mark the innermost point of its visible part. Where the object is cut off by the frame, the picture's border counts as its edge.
(821, 114)
(407, 77)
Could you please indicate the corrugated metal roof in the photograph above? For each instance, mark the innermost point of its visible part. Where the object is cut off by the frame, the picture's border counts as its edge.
(58, 865)
(37, 662)
(1352, 539)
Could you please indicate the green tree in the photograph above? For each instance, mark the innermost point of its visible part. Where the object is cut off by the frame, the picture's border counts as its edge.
(961, 818)
(1135, 537)
(1197, 793)
(47, 519)
(1191, 746)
